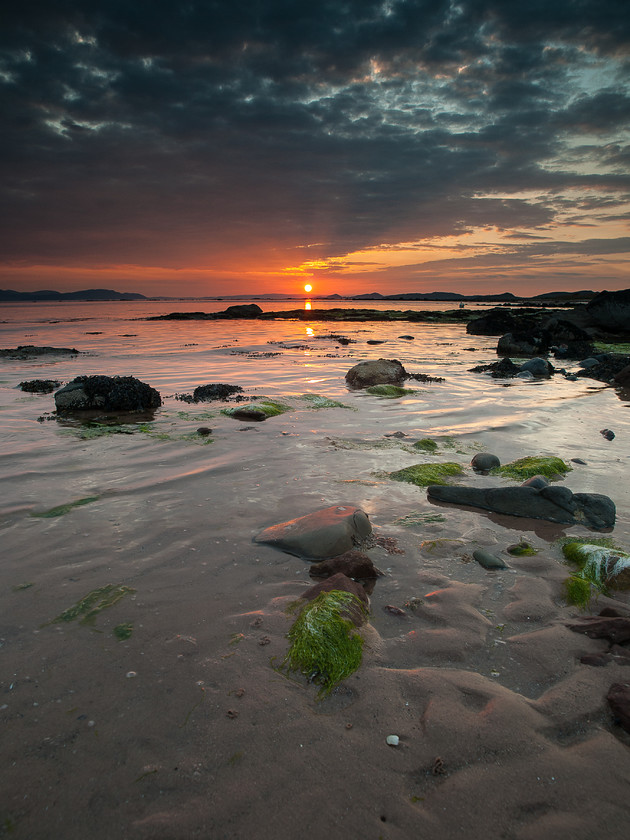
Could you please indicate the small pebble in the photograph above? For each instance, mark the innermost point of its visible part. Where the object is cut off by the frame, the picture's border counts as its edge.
(132, 674)
(393, 740)
(608, 434)
(394, 610)
(204, 431)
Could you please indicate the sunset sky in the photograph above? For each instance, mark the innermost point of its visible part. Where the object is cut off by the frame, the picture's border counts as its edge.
(253, 146)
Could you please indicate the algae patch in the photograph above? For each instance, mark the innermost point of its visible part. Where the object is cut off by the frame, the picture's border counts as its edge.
(61, 510)
(389, 391)
(325, 645)
(89, 607)
(318, 401)
(419, 518)
(426, 445)
(123, 631)
(263, 407)
(548, 466)
(422, 475)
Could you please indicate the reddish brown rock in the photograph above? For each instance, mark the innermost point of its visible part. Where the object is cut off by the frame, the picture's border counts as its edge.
(353, 564)
(341, 583)
(619, 702)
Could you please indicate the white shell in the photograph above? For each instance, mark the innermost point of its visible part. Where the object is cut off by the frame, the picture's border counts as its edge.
(393, 740)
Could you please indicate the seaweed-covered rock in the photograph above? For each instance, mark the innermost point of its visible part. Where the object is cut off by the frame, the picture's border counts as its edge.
(40, 386)
(424, 474)
(324, 644)
(107, 393)
(324, 533)
(376, 372)
(215, 391)
(548, 466)
(389, 391)
(257, 411)
(241, 310)
(590, 509)
(31, 351)
(601, 565)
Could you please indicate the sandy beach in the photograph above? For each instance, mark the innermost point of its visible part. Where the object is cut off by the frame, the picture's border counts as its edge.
(189, 727)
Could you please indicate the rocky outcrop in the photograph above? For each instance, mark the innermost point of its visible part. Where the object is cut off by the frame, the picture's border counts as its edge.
(552, 503)
(353, 564)
(107, 393)
(376, 372)
(31, 351)
(319, 535)
(610, 311)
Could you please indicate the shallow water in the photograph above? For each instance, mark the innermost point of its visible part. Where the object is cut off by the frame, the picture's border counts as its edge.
(172, 516)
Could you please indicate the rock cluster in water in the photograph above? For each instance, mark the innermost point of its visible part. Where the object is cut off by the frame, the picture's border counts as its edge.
(107, 393)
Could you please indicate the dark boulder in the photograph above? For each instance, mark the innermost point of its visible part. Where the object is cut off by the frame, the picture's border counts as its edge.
(623, 377)
(241, 310)
(610, 311)
(552, 503)
(107, 393)
(376, 372)
(495, 322)
(353, 564)
(484, 462)
(322, 534)
(522, 344)
(539, 368)
(215, 391)
(499, 370)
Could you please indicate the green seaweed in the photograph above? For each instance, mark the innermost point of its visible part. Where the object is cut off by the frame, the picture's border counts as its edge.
(325, 645)
(546, 465)
(422, 475)
(388, 391)
(317, 401)
(522, 549)
(202, 415)
(20, 587)
(578, 591)
(123, 631)
(89, 607)
(419, 518)
(623, 348)
(269, 408)
(426, 445)
(61, 510)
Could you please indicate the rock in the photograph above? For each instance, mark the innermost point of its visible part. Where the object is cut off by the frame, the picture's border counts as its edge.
(215, 391)
(590, 509)
(538, 367)
(623, 377)
(537, 481)
(40, 386)
(520, 344)
(204, 431)
(241, 310)
(389, 391)
(392, 740)
(619, 701)
(322, 534)
(30, 351)
(504, 368)
(340, 583)
(589, 362)
(484, 461)
(258, 411)
(488, 560)
(608, 434)
(610, 311)
(600, 564)
(353, 564)
(407, 337)
(495, 322)
(107, 393)
(614, 628)
(376, 372)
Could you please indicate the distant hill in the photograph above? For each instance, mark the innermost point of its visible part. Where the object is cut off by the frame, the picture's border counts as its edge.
(85, 294)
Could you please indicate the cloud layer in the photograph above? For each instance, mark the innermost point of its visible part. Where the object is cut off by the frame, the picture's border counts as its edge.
(216, 146)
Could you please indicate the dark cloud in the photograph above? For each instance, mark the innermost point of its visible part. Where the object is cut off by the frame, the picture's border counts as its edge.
(186, 134)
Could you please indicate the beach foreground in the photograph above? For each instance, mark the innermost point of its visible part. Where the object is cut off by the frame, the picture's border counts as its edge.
(185, 724)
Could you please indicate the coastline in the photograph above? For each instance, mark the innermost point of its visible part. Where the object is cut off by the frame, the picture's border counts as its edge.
(187, 728)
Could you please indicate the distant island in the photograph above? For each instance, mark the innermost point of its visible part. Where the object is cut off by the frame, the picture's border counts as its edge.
(85, 294)
(9, 295)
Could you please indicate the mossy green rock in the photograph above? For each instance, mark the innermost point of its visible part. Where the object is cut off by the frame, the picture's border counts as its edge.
(423, 475)
(389, 391)
(532, 465)
(603, 566)
(325, 645)
(522, 549)
(426, 445)
(256, 411)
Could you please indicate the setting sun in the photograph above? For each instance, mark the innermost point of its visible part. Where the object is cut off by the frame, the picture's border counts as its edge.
(308, 288)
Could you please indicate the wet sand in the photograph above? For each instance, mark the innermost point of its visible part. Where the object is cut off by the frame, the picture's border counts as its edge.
(189, 728)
